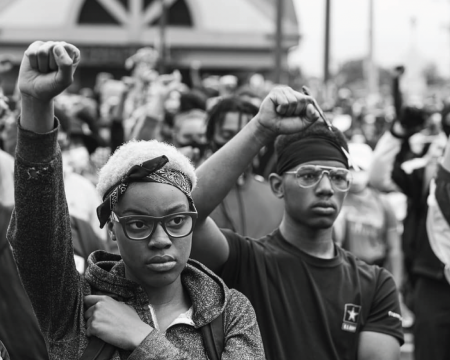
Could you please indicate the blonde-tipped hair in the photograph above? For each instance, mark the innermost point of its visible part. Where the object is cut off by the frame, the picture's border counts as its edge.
(136, 152)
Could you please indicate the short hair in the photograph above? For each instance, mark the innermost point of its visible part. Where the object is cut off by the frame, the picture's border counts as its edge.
(319, 129)
(191, 100)
(136, 152)
(217, 113)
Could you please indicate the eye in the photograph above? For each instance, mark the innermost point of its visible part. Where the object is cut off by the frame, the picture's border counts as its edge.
(136, 225)
(177, 220)
(339, 176)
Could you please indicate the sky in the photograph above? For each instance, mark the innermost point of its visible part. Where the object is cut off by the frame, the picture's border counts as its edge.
(395, 41)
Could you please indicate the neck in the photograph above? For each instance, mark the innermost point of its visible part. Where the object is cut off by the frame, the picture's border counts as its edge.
(170, 295)
(315, 242)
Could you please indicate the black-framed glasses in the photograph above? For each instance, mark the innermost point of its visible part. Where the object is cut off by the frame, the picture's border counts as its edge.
(141, 227)
(310, 175)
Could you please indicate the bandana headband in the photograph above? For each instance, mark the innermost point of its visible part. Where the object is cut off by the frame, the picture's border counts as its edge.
(149, 171)
(311, 149)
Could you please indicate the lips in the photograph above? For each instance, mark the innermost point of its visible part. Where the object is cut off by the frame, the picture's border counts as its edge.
(160, 259)
(160, 263)
(324, 208)
(324, 204)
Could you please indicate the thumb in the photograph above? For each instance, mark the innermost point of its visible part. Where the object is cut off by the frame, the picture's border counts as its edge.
(90, 300)
(311, 113)
(65, 64)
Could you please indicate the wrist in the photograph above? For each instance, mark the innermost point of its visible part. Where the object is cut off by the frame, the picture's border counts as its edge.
(262, 134)
(139, 335)
(36, 115)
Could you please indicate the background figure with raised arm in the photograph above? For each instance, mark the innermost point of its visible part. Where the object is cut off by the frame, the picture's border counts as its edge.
(313, 300)
(250, 199)
(149, 302)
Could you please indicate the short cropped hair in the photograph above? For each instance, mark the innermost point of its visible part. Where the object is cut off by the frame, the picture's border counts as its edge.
(136, 152)
(319, 129)
(217, 113)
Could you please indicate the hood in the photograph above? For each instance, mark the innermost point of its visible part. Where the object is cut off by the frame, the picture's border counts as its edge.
(209, 295)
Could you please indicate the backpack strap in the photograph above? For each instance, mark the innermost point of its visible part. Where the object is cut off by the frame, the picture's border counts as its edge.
(97, 349)
(213, 338)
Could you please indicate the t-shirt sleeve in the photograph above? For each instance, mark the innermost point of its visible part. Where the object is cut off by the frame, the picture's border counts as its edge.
(385, 316)
(239, 258)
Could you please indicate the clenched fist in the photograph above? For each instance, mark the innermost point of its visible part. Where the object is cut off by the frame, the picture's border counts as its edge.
(47, 69)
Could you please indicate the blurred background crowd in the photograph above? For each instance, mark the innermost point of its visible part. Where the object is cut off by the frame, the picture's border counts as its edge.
(193, 73)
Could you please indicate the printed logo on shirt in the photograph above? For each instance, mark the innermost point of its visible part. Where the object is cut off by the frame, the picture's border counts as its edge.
(351, 313)
(395, 315)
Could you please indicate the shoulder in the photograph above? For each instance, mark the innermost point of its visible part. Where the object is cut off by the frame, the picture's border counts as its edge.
(239, 307)
(236, 240)
(369, 273)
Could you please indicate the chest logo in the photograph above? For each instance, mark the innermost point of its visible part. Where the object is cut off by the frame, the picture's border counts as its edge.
(351, 313)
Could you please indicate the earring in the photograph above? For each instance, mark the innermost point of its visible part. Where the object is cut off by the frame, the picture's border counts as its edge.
(112, 235)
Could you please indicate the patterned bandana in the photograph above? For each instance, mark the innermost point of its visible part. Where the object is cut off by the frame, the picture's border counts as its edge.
(149, 171)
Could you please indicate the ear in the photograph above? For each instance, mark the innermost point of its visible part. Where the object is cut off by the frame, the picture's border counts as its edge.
(111, 231)
(276, 184)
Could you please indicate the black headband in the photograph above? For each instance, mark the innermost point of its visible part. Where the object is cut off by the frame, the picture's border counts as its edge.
(310, 149)
(149, 171)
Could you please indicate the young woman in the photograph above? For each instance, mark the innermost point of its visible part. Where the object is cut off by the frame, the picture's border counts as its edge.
(151, 302)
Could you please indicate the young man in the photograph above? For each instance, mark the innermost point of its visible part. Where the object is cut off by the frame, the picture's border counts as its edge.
(312, 299)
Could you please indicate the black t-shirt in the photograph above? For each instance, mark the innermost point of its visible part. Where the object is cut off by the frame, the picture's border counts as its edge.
(307, 307)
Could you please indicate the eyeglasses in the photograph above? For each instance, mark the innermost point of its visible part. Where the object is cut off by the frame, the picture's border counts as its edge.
(140, 227)
(310, 175)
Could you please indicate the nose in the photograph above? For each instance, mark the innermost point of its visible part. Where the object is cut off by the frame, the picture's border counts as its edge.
(325, 186)
(159, 239)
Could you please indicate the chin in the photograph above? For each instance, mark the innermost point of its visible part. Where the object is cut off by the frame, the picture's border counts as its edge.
(322, 223)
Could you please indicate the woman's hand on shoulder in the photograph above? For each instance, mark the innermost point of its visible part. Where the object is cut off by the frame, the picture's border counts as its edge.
(114, 322)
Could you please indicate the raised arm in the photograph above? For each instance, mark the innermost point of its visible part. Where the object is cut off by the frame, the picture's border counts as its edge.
(40, 232)
(283, 111)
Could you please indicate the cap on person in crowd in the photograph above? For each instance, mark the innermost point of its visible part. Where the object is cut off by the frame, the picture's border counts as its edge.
(143, 161)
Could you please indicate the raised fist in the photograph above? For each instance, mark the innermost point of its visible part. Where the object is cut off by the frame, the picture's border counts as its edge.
(47, 69)
(285, 111)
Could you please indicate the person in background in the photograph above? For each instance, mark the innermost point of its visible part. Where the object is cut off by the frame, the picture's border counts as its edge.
(188, 134)
(313, 300)
(250, 199)
(367, 225)
(406, 159)
(163, 299)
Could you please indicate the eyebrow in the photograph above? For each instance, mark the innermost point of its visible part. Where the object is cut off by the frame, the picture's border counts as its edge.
(180, 207)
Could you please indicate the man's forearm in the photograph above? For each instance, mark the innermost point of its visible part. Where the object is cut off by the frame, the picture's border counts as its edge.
(218, 174)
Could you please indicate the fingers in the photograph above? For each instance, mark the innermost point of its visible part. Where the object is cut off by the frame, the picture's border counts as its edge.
(67, 58)
(43, 56)
(289, 102)
(31, 53)
(90, 300)
(311, 113)
(52, 56)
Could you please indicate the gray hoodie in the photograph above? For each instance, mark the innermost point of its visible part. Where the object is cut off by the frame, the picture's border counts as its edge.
(40, 236)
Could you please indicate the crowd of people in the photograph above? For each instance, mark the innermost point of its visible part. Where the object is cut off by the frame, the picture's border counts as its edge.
(286, 232)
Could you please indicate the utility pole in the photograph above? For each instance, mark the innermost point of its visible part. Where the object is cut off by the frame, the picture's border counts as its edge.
(278, 41)
(372, 73)
(162, 37)
(326, 62)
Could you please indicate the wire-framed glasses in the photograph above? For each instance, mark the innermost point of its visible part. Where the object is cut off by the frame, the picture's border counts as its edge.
(310, 175)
